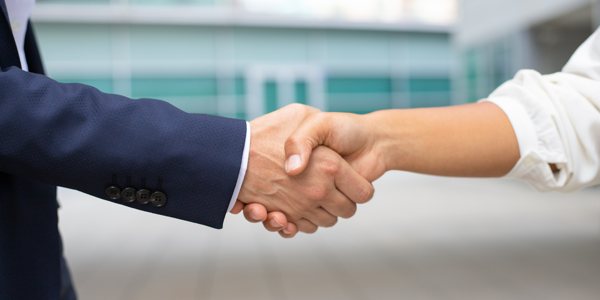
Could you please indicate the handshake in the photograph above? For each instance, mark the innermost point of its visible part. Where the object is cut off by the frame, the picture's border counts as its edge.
(307, 168)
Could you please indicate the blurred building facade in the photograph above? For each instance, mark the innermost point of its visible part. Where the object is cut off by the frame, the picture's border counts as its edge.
(216, 57)
(496, 38)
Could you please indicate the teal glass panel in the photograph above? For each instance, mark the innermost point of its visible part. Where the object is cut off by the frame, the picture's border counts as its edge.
(240, 97)
(77, 1)
(358, 103)
(346, 85)
(271, 96)
(177, 2)
(301, 92)
(169, 87)
(472, 75)
(240, 86)
(429, 84)
(358, 94)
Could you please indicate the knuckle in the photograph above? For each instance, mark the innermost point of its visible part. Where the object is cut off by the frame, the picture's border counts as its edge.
(298, 143)
(295, 106)
(298, 212)
(291, 142)
(330, 166)
(318, 193)
(322, 118)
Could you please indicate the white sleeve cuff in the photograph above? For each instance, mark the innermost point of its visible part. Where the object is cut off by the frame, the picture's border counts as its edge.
(537, 151)
(243, 169)
(521, 122)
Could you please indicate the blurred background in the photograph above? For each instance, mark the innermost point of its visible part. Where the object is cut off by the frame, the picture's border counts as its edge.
(420, 238)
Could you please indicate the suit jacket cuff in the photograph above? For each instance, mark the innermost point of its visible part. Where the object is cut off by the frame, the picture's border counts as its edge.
(243, 168)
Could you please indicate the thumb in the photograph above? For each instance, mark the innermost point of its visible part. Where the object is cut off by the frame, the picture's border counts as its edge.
(311, 133)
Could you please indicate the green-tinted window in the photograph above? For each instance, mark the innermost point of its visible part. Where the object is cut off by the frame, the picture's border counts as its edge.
(167, 87)
(240, 86)
(103, 84)
(359, 94)
(472, 75)
(345, 85)
(77, 1)
(165, 2)
(171, 2)
(424, 84)
(240, 97)
(358, 103)
(271, 96)
(301, 92)
(191, 94)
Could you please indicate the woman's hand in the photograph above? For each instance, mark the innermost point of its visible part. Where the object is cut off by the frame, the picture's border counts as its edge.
(355, 137)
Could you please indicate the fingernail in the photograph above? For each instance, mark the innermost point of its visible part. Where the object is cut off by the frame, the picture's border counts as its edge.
(274, 223)
(293, 163)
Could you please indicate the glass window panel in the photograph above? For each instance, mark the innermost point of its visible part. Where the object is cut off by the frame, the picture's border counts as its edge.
(358, 103)
(152, 87)
(301, 92)
(429, 84)
(430, 99)
(271, 96)
(344, 85)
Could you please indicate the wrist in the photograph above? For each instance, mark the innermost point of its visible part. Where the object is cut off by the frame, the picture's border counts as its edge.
(390, 138)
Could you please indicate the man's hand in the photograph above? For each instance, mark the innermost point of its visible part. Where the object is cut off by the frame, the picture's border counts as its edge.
(327, 188)
(352, 136)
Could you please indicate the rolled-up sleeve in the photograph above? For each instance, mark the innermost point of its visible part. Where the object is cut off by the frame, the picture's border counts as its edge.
(556, 119)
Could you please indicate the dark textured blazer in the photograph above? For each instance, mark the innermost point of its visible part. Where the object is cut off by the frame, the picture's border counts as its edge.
(144, 154)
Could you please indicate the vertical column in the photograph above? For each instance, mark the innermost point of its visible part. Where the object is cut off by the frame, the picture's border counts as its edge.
(595, 14)
(285, 80)
(316, 88)
(255, 94)
(121, 59)
(225, 73)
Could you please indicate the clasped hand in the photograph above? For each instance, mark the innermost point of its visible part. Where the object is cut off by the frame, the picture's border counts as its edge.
(307, 168)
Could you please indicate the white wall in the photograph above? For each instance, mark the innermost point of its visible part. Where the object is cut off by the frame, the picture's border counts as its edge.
(484, 20)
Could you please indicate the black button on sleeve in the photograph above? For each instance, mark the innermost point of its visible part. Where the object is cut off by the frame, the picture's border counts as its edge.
(158, 199)
(113, 192)
(128, 194)
(143, 196)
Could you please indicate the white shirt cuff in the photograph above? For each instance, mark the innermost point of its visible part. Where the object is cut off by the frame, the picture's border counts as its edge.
(536, 155)
(243, 169)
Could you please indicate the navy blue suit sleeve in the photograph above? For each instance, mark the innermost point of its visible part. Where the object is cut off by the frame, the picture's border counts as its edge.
(75, 136)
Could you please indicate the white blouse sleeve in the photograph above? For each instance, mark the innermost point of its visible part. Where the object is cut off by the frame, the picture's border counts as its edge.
(556, 119)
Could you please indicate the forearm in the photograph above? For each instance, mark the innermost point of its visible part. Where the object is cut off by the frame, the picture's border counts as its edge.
(75, 136)
(475, 140)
